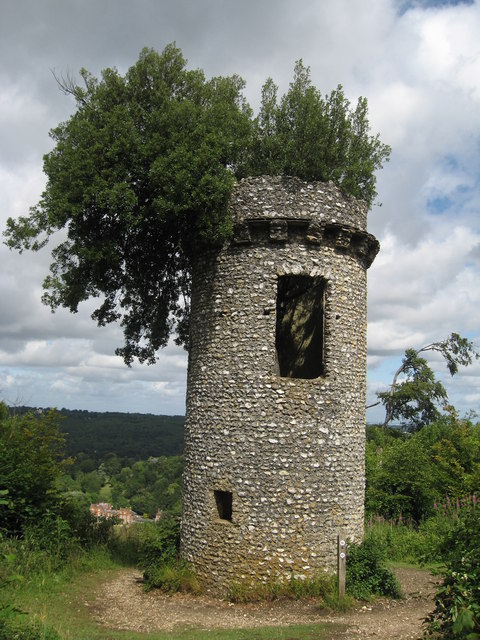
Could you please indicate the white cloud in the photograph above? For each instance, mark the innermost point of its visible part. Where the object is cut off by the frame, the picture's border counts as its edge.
(450, 48)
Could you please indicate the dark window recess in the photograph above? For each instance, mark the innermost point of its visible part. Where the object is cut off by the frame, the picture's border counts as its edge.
(223, 500)
(299, 339)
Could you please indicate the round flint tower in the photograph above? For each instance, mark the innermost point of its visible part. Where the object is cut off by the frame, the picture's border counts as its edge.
(275, 420)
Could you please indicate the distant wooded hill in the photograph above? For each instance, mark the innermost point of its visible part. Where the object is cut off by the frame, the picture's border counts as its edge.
(136, 436)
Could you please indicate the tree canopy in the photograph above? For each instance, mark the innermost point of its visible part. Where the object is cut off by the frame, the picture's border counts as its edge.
(140, 176)
(415, 394)
(316, 137)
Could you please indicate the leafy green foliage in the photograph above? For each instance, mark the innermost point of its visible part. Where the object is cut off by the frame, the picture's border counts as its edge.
(457, 601)
(401, 483)
(367, 574)
(32, 461)
(414, 400)
(160, 542)
(8, 609)
(53, 535)
(402, 541)
(141, 174)
(415, 394)
(98, 473)
(120, 436)
(316, 137)
(159, 558)
(145, 486)
(67, 488)
(406, 473)
(406, 541)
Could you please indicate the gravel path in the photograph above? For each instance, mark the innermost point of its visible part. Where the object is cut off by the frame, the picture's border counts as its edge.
(122, 604)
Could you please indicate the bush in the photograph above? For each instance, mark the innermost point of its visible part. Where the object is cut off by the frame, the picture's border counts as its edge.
(32, 455)
(86, 528)
(400, 481)
(367, 574)
(457, 601)
(159, 557)
(53, 535)
(399, 541)
(171, 577)
(160, 542)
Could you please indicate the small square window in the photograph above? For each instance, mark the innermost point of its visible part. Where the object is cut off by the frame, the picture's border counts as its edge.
(223, 500)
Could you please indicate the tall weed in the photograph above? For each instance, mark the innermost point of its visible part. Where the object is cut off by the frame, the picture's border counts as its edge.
(406, 541)
(320, 586)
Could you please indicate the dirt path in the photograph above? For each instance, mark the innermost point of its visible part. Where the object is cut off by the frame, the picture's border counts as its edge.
(122, 604)
(392, 619)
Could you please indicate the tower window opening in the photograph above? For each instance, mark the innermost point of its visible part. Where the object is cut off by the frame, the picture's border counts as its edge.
(300, 326)
(223, 500)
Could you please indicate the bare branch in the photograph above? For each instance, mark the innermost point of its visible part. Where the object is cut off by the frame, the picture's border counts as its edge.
(66, 82)
(68, 86)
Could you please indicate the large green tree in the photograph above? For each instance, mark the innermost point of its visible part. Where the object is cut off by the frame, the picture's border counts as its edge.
(141, 174)
(415, 396)
(407, 472)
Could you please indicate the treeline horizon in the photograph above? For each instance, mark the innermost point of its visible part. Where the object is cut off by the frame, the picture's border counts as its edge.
(98, 434)
(137, 436)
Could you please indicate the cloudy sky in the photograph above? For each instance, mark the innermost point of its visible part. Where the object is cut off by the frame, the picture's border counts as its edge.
(417, 62)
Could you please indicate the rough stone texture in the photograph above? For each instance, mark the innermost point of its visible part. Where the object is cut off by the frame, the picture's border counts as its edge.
(290, 450)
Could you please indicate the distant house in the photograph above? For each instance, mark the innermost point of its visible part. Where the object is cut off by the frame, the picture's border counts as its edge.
(105, 510)
(102, 510)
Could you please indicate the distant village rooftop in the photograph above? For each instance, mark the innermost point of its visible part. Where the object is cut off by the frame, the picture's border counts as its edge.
(125, 514)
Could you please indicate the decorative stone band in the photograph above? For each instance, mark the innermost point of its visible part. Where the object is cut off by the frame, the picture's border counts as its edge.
(342, 238)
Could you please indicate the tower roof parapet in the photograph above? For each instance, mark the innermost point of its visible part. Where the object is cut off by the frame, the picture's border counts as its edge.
(276, 209)
(276, 197)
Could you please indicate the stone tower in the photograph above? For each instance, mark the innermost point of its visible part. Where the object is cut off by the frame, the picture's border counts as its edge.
(275, 419)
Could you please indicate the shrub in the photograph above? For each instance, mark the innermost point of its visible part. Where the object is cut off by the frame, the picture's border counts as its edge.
(86, 528)
(32, 455)
(53, 535)
(399, 541)
(160, 542)
(158, 551)
(457, 601)
(367, 574)
(171, 577)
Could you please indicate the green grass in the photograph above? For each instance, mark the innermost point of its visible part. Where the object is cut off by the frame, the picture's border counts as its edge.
(294, 632)
(62, 599)
(63, 602)
(414, 545)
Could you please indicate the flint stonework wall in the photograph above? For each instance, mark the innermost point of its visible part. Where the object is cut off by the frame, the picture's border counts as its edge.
(290, 451)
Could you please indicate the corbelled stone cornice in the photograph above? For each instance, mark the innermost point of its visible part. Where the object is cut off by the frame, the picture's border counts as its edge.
(342, 238)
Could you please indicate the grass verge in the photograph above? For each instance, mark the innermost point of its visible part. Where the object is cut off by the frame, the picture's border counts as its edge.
(64, 603)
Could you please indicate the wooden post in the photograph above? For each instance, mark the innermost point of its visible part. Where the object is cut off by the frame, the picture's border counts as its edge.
(341, 565)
